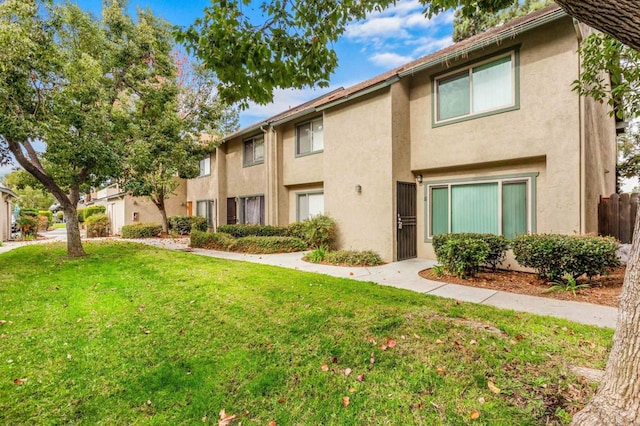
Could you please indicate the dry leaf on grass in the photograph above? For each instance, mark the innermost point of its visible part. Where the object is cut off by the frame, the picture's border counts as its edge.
(492, 387)
(345, 401)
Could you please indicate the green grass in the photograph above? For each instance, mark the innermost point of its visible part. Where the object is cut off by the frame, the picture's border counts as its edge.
(138, 335)
(59, 225)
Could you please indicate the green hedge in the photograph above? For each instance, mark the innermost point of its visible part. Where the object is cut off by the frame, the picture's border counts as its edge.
(28, 224)
(141, 230)
(80, 213)
(98, 225)
(184, 224)
(239, 231)
(266, 245)
(211, 240)
(353, 258)
(91, 210)
(553, 255)
(29, 212)
(497, 246)
(462, 256)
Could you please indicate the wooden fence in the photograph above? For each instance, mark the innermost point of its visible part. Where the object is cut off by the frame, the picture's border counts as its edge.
(617, 215)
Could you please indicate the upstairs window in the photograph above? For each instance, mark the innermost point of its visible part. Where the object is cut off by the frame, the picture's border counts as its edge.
(481, 89)
(254, 151)
(205, 166)
(309, 137)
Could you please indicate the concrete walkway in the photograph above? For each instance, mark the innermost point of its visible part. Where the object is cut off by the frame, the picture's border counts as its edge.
(402, 275)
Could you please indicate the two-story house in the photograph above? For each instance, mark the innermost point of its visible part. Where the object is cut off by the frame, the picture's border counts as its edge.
(486, 135)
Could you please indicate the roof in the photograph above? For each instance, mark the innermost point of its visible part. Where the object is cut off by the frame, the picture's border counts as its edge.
(479, 41)
(8, 192)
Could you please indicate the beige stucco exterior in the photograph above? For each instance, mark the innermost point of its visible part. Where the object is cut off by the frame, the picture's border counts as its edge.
(6, 211)
(382, 132)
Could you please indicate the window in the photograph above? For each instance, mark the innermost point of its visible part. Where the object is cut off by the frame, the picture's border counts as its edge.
(484, 88)
(497, 206)
(254, 151)
(205, 209)
(309, 205)
(309, 137)
(205, 166)
(252, 210)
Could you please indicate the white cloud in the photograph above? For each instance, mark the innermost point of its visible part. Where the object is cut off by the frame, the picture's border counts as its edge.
(427, 45)
(378, 28)
(389, 59)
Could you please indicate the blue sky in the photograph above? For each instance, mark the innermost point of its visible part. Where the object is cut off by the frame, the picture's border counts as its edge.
(370, 47)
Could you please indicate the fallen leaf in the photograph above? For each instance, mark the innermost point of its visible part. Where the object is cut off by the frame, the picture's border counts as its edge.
(416, 336)
(519, 337)
(441, 371)
(360, 377)
(383, 347)
(345, 400)
(149, 402)
(353, 390)
(147, 332)
(325, 367)
(493, 388)
(204, 419)
(225, 419)
(372, 360)
(439, 342)
(481, 400)
(69, 356)
(474, 414)
(347, 371)
(282, 400)
(334, 360)
(3, 322)
(473, 342)
(19, 382)
(273, 423)
(391, 343)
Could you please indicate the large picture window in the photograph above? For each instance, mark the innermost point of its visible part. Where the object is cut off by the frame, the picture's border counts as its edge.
(205, 209)
(484, 88)
(498, 206)
(252, 210)
(253, 151)
(309, 138)
(309, 205)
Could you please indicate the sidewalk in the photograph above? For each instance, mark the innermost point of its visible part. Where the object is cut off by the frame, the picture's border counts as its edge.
(402, 275)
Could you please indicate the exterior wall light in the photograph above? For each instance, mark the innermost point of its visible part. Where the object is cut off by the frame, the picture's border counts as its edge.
(419, 179)
(358, 189)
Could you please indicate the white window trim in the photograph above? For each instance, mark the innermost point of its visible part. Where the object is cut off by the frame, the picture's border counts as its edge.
(530, 197)
(297, 140)
(469, 70)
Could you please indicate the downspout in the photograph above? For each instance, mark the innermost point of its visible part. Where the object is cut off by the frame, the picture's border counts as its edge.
(582, 133)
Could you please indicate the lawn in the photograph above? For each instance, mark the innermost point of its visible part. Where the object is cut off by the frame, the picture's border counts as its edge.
(59, 225)
(139, 335)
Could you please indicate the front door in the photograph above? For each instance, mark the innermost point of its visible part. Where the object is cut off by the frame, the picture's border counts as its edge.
(232, 217)
(406, 221)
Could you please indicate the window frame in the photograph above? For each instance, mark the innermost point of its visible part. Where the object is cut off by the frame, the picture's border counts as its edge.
(241, 205)
(252, 140)
(202, 161)
(306, 194)
(513, 52)
(528, 178)
(297, 137)
(210, 209)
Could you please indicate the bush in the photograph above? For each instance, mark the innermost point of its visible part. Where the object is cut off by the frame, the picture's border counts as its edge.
(91, 210)
(49, 215)
(184, 224)
(141, 230)
(59, 217)
(317, 256)
(29, 212)
(554, 255)
(497, 245)
(353, 258)
(43, 223)
(211, 240)
(80, 213)
(239, 231)
(266, 245)
(98, 225)
(462, 256)
(317, 232)
(28, 225)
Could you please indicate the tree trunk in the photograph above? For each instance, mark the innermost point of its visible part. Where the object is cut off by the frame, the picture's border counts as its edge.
(159, 202)
(74, 244)
(617, 400)
(618, 18)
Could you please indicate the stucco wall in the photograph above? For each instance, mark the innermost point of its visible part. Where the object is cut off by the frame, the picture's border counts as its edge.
(147, 210)
(6, 208)
(357, 151)
(243, 181)
(545, 128)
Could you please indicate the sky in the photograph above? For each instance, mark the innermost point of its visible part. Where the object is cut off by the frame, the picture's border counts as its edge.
(384, 40)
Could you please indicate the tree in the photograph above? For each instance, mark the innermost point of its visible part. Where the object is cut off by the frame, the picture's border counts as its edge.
(177, 120)
(292, 48)
(31, 194)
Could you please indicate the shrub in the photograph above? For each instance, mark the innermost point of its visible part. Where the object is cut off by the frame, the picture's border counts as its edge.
(29, 212)
(462, 256)
(317, 256)
(497, 245)
(91, 210)
(239, 231)
(80, 213)
(554, 255)
(141, 230)
(59, 217)
(211, 240)
(265, 245)
(49, 215)
(28, 225)
(316, 232)
(184, 224)
(98, 225)
(43, 223)
(353, 258)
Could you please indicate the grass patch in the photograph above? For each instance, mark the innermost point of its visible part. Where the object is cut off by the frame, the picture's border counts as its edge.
(139, 335)
(59, 226)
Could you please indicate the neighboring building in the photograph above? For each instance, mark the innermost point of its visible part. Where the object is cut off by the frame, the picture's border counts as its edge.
(483, 136)
(6, 212)
(123, 209)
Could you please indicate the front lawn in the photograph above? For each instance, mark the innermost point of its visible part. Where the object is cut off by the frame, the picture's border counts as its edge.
(140, 335)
